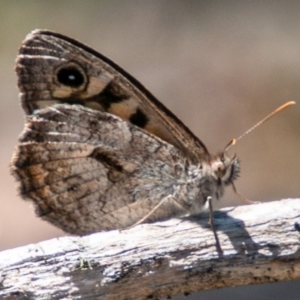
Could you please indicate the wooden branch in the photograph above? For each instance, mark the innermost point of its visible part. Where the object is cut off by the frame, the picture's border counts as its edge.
(260, 244)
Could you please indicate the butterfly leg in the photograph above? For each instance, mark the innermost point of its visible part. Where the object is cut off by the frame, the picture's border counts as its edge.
(242, 198)
(155, 208)
(212, 225)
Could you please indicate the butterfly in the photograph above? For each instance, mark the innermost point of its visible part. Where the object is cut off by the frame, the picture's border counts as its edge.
(99, 151)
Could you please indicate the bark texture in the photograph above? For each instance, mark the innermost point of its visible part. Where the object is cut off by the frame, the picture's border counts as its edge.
(261, 243)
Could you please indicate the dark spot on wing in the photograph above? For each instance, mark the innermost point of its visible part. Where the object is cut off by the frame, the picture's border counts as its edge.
(107, 160)
(111, 94)
(70, 76)
(139, 119)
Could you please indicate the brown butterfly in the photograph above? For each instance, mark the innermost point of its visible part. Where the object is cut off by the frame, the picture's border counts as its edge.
(99, 151)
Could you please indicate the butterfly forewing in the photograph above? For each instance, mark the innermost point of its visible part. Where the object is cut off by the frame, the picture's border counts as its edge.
(53, 69)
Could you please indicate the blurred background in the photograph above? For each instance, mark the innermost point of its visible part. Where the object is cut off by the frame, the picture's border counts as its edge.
(220, 66)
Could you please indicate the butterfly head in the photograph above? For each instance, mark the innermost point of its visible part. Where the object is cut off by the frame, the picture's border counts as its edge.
(224, 168)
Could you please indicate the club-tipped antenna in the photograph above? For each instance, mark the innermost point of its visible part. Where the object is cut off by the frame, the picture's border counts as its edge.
(277, 110)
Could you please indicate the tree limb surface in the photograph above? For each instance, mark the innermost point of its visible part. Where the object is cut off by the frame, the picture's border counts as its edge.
(260, 243)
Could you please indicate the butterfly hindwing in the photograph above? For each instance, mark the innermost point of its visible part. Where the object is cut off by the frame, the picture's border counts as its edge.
(83, 178)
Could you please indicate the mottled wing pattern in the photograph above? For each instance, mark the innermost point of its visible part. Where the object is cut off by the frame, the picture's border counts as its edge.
(53, 68)
(88, 171)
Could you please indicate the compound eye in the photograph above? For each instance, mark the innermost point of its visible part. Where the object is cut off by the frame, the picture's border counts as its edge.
(219, 168)
(221, 171)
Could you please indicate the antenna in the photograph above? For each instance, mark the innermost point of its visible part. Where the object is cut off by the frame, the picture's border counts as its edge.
(276, 111)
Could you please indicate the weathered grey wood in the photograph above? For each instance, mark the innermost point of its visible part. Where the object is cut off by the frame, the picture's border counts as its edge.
(261, 243)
